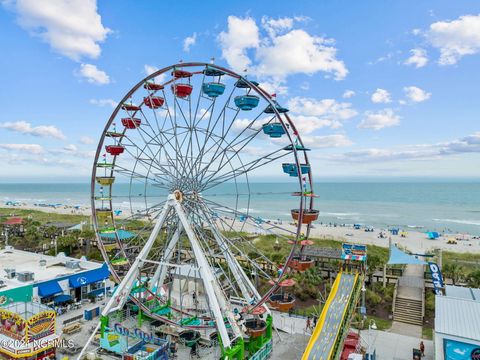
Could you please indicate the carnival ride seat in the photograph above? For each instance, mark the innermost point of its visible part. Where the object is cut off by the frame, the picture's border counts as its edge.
(255, 327)
(213, 89)
(292, 170)
(274, 130)
(282, 302)
(242, 84)
(131, 123)
(247, 102)
(153, 102)
(114, 149)
(182, 90)
(309, 215)
(270, 110)
(301, 263)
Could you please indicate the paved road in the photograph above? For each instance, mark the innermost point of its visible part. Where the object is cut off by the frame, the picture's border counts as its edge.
(328, 333)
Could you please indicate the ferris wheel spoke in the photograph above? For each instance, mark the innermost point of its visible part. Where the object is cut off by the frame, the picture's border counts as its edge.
(254, 164)
(228, 146)
(209, 132)
(228, 210)
(243, 254)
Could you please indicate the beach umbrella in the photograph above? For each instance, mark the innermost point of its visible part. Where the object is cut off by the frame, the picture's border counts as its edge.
(283, 283)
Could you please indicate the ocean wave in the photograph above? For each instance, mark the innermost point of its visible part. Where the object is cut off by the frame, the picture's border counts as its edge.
(456, 221)
(339, 214)
(250, 211)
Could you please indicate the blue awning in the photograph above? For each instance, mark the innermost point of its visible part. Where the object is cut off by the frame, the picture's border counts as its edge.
(122, 235)
(98, 292)
(397, 256)
(89, 277)
(61, 298)
(49, 288)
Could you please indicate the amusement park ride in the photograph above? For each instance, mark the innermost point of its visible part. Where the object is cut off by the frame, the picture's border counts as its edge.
(176, 156)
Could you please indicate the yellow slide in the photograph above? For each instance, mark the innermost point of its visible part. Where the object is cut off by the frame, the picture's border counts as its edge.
(324, 337)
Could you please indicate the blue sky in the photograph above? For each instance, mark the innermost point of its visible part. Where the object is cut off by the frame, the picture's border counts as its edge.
(379, 88)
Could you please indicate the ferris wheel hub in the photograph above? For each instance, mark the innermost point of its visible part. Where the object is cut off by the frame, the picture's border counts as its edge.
(178, 195)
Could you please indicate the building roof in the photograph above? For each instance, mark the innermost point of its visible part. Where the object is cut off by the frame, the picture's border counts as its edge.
(13, 221)
(54, 268)
(457, 317)
(462, 292)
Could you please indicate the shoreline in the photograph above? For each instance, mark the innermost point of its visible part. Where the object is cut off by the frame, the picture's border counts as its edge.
(415, 241)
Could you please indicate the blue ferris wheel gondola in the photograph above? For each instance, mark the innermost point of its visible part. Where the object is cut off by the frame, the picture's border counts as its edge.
(292, 169)
(297, 147)
(213, 89)
(247, 102)
(269, 109)
(242, 84)
(274, 130)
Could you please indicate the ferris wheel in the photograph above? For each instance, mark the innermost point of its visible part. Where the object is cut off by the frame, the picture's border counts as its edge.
(172, 198)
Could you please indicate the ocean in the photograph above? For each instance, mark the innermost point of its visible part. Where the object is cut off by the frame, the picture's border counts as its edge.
(451, 207)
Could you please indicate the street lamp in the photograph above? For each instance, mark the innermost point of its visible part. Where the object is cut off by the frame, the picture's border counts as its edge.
(371, 326)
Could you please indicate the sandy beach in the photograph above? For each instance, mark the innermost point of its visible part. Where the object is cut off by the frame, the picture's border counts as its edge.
(415, 241)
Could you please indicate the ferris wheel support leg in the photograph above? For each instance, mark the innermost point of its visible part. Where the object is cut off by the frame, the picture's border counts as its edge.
(161, 272)
(123, 291)
(215, 296)
(241, 278)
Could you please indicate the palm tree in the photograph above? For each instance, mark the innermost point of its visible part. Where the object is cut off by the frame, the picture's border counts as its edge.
(473, 279)
(453, 271)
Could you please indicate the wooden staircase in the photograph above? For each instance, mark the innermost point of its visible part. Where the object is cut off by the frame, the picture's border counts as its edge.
(409, 311)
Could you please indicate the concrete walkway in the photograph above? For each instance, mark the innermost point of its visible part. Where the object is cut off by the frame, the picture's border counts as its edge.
(390, 346)
(406, 329)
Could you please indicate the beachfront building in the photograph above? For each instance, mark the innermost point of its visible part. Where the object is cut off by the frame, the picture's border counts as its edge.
(50, 280)
(457, 324)
(27, 331)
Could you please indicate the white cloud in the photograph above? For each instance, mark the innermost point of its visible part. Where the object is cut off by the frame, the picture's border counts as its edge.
(278, 51)
(299, 52)
(418, 58)
(28, 148)
(150, 69)
(311, 114)
(71, 27)
(203, 114)
(416, 94)
(323, 107)
(326, 141)
(189, 41)
(24, 127)
(467, 144)
(455, 38)
(242, 34)
(308, 124)
(240, 124)
(93, 75)
(381, 96)
(377, 120)
(103, 102)
(87, 140)
(348, 94)
(273, 86)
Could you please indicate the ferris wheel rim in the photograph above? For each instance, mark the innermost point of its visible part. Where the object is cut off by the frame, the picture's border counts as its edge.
(284, 120)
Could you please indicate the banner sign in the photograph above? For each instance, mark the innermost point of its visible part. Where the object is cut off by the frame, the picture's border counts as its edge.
(437, 278)
(12, 325)
(354, 252)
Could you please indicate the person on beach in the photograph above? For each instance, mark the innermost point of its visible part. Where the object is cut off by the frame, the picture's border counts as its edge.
(422, 348)
(308, 325)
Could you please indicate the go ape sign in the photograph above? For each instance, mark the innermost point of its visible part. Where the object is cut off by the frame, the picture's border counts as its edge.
(354, 252)
(437, 278)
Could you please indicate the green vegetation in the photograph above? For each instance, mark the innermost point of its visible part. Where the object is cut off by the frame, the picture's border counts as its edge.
(427, 333)
(41, 216)
(462, 267)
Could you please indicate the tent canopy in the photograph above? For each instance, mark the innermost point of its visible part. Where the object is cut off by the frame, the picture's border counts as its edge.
(398, 257)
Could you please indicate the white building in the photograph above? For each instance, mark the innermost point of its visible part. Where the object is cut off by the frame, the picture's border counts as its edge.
(457, 324)
(49, 279)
